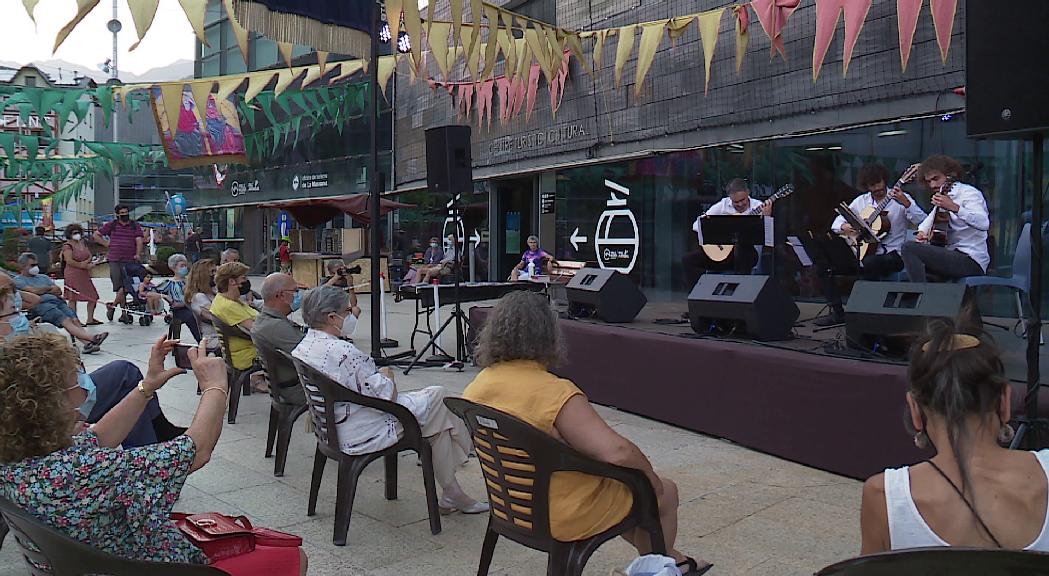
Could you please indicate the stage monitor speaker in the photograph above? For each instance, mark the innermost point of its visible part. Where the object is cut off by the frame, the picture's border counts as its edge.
(757, 305)
(449, 167)
(1006, 78)
(606, 294)
(896, 312)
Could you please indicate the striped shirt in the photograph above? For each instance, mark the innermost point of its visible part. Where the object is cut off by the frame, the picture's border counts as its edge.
(122, 237)
(176, 289)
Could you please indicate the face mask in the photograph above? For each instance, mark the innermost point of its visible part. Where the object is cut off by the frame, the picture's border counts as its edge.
(124, 217)
(245, 287)
(349, 326)
(19, 325)
(181, 270)
(34, 270)
(84, 381)
(433, 244)
(296, 302)
(211, 283)
(77, 237)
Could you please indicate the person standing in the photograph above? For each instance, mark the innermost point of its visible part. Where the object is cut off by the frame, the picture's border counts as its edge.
(284, 255)
(41, 247)
(77, 272)
(194, 245)
(125, 240)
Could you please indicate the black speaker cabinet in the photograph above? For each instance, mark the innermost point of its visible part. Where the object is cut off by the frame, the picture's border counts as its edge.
(895, 312)
(606, 294)
(757, 304)
(1006, 76)
(449, 167)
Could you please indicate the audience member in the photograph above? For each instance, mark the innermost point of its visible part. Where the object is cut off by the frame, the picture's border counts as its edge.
(175, 290)
(147, 292)
(518, 345)
(40, 246)
(118, 501)
(443, 268)
(230, 255)
(77, 272)
(973, 493)
(534, 262)
(231, 280)
(327, 311)
(51, 308)
(125, 244)
(273, 331)
(200, 292)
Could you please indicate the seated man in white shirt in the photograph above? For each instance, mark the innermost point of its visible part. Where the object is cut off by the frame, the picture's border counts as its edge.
(885, 258)
(966, 251)
(736, 202)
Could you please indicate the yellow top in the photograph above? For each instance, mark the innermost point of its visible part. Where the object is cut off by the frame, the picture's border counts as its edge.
(581, 505)
(232, 313)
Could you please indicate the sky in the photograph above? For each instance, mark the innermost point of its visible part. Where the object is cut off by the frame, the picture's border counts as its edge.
(90, 44)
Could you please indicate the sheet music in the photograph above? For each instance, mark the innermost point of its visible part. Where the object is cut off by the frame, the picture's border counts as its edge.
(799, 250)
(770, 237)
(698, 230)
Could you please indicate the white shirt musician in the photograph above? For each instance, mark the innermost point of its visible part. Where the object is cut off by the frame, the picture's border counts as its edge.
(966, 251)
(901, 211)
(743, 258)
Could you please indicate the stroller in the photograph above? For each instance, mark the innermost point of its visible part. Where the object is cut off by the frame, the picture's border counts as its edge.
(132, 274)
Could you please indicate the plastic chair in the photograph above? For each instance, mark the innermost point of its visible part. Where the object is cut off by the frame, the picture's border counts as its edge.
(240, 379)
(943, 560)
(322, 395)
(48, 552)
(282, 415)
(517, 461)
(1020, 280)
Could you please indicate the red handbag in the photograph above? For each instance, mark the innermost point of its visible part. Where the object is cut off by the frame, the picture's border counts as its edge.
(217, 535)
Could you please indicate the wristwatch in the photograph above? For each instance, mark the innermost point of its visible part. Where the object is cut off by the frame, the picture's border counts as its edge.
(148, 395)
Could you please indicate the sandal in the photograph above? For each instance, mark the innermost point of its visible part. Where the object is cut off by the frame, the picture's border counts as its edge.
(111, 308)
(93, 322)
(688, 567)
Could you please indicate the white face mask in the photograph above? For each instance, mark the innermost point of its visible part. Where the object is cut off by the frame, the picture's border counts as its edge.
(77, 237)
(34, 270)
(349, 326)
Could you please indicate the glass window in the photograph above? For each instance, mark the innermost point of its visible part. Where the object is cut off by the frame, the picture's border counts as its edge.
(211, 66)
(264, 53)
(234, 61)
(214, 37)
(215, 12)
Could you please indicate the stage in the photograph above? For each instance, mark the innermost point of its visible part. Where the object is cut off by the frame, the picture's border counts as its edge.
(801, 399)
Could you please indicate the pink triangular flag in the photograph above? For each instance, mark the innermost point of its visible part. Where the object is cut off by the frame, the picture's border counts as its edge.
(484, 102)
(773, 16)
(907, 12)
(943, 19)
(533, 87)
(855, 15)
(503, 84)
(827, 13)
(468, 97)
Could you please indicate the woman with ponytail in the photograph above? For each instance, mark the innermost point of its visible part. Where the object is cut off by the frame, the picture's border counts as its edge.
(974, 492)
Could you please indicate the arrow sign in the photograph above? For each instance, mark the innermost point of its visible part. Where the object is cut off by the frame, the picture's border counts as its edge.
(476, 238)
(575, 239)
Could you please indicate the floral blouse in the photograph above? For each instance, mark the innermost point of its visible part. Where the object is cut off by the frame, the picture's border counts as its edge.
(112, 499)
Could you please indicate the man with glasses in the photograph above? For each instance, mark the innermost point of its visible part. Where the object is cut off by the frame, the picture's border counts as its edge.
(273, 331)
(125, 240)
(966, 251)
(885, 259)
(737, 201)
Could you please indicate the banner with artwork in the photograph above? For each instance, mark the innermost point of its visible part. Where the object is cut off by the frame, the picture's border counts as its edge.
(195, 138)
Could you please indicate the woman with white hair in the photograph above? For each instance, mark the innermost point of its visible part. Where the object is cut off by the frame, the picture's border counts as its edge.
(329, 314)
(175, 290)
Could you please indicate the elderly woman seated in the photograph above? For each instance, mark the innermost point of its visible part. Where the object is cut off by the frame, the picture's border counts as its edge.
(973, 492)
(73, 478)
(534, 262)
(231, 280)
(328, 313)
(518, 345)
(175, 291)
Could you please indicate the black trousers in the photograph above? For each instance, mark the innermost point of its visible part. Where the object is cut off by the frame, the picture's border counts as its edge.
(741, 261)
(875, 267)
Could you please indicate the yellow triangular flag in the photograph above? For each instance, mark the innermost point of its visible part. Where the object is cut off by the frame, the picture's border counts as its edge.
(457, 21)
(286, 49)
(651, 34)
(475, 19)
(508, 42)
(195, 10)
(540, 48)
(82, 8)
(284, 79)
(228, 87)
(473, 54)
(677, 27)
(556, 53)
(524, 57)
(491, 49)
(171, 94)
(413, 27)
(624, 49)
(742, 38)
(239, 31)
(256, 83)
(387, 64)
(709, 24)
(438, 40)
(30, 6)
(347, 68)
(201, 91)
(599, 47)
(322, 61)
(393, 18)
(142, 14)
(429, 15)
(576, 45)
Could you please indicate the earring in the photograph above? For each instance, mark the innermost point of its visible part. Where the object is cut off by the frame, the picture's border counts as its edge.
(1006, 434)
(921, 440)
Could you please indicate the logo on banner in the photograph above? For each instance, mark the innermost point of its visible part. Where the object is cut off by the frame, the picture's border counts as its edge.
(238, 188)
(309, 181)
(617, 239)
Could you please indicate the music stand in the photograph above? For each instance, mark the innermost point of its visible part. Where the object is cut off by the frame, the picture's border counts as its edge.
(831, 253)
(858, 224)
(745, 230)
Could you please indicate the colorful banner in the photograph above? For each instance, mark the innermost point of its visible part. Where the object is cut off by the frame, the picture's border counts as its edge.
(191, 141)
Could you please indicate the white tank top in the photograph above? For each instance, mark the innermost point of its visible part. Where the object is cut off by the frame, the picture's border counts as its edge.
(907, 528)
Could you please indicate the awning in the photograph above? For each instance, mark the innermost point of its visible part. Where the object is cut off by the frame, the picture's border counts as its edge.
(312, 212)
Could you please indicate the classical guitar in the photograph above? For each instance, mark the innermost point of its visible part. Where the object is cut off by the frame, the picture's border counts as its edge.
(721, 252)
(941, 220)
(877, 219)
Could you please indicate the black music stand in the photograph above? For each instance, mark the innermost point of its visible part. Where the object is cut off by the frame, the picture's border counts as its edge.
(744, 229)
(831, 253)
(858, 224)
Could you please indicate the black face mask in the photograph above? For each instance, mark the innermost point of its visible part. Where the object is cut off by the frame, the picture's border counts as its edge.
(245, 288)
(124, 217)
(211, 283)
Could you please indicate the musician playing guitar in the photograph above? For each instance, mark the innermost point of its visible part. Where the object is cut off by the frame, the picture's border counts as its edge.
(743, 258)
(962, 210)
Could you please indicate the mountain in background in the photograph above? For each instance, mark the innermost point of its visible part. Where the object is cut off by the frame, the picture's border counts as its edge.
(177, 70)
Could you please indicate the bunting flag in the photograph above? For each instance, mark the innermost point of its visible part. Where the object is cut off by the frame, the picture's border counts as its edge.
(773, 16)
(502, 83)
(599, 47)
(413, 26)
(493, 43)
(30, 7)
(239, 31)
(484, 102)
(195, 11)
(142, 14)
(533, 88)
(943, 20)
(393, 18)
(677, 27)
(651, 34)
(827, 14)
(438, 40)
(709, 25)
(336, 27)
(201, 95)
(82, 8)
(286, 50)
(907, 12)
(507, 43)
(473, 53)
(387, 65)
(623, 49)
(742, 33)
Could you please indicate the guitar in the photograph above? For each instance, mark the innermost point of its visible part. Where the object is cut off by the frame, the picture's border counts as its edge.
(877, 219)
(721, 252)
(941, 220)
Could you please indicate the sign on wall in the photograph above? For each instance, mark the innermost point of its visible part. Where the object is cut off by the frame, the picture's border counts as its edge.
(616, 237)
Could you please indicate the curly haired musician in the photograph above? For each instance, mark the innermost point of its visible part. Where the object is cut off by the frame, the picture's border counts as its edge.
(965, 252)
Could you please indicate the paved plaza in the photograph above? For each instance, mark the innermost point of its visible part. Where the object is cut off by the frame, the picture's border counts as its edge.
(748, 512)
